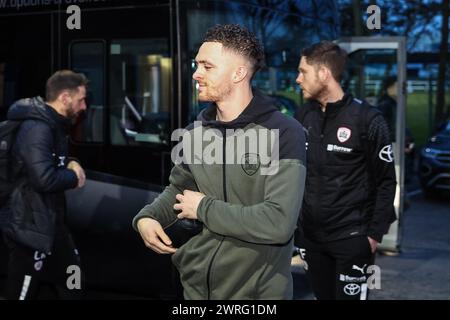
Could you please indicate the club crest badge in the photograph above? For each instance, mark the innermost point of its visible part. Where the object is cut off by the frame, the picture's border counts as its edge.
(250, 163)
(343, 134)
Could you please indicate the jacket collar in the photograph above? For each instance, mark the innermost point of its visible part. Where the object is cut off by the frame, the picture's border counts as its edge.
(257, 110)
(332, 108)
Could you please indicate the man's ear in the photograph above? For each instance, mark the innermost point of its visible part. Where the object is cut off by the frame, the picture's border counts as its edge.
(64, 97)
(324, 73)
(240, 74)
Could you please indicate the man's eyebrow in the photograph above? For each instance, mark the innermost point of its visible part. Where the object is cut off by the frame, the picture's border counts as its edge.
(204, 62)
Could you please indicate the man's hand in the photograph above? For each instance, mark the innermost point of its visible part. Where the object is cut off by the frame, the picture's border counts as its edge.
(373, 244)
(188, 205)
(154, 236)
(75, 167)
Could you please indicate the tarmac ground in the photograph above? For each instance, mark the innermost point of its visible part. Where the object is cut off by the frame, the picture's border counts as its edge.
(420, 270)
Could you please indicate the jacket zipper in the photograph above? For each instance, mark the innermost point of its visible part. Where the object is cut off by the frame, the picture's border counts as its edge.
(317, 218)
(208, 275)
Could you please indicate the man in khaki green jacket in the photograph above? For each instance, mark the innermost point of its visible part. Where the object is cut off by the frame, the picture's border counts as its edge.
(239, 172)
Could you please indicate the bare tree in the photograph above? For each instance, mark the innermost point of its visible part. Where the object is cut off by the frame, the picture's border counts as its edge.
(413, 19)
(357, 17)
(264, 16)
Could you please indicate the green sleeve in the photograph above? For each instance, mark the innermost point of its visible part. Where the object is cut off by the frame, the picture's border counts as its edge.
(161, 208)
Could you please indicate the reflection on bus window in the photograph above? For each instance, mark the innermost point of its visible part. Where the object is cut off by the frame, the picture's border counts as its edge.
(88, 58)
(284, 28)
(140, 72)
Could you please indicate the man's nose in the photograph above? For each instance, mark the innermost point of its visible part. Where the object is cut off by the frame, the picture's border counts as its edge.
(196, 76)
(299, 79)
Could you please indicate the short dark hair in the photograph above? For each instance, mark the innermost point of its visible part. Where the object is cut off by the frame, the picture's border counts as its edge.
(388, 81)
(63, 80)
(329, 54)
(240, 40)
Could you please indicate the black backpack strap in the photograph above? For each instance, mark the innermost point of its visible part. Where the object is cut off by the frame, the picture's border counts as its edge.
(9, 132)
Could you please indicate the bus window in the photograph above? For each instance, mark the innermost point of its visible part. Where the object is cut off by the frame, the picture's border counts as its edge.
(88, 58)
(140, 86)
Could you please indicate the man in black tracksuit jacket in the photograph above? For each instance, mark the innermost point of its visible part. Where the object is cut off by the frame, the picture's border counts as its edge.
(350, 182)
(39, 244)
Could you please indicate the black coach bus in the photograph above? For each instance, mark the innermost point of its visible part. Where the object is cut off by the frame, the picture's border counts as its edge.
(138, 56)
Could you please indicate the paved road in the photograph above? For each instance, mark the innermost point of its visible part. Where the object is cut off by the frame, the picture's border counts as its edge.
(421, 270)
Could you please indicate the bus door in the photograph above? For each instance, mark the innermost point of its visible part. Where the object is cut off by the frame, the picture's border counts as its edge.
(127, 125)
(377, 73)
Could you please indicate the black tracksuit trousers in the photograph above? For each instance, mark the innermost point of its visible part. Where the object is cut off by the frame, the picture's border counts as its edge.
(337, 270)
(28, 269)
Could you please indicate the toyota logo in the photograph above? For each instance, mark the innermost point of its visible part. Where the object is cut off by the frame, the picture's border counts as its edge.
(352, 289)
(386, 154)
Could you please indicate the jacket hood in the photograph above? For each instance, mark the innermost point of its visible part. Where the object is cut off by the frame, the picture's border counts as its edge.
(259, 108)
(35, 108)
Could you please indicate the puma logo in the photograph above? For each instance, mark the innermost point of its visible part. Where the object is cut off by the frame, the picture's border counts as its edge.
(355, 267)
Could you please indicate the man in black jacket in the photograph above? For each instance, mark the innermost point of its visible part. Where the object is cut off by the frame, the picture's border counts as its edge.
(40, 245)
(350, 182)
